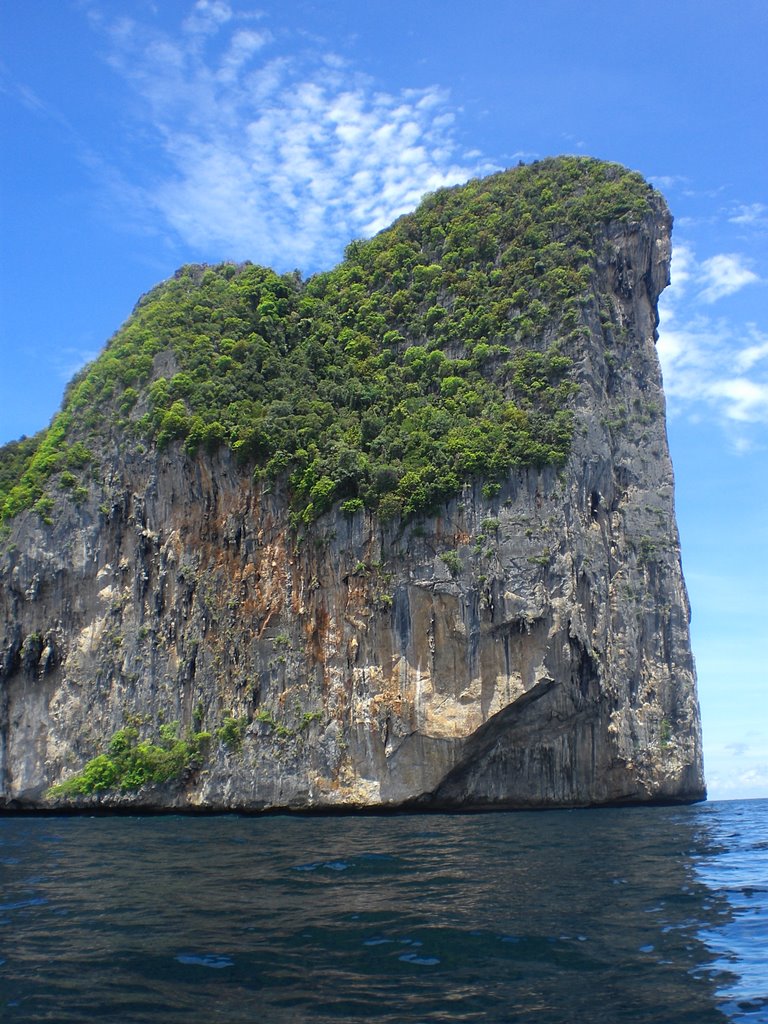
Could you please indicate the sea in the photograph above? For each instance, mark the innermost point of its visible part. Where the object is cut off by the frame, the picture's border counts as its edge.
(637, 915)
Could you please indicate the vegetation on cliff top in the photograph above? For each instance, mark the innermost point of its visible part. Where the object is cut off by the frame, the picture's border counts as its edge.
(432, 355)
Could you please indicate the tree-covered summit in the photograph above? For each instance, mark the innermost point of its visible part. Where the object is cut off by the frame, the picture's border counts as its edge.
(434, 354)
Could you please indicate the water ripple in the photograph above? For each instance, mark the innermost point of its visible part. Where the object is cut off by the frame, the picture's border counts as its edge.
(541, 918)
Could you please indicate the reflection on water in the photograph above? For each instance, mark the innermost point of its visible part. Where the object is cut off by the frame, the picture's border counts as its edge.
(550, 917)
(735, 867)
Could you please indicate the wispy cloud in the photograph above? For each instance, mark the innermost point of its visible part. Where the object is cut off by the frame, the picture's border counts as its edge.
(723, 275)
(750, 213)
(751, 783)
(745, 400)
(739, 768)
(667, 182)
(737, 749)
(27, 97)
(69, 360)
(710, 364)
(753, 354)
(278, 155)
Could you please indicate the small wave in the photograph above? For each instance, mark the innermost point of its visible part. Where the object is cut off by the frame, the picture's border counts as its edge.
(329, 865)
(207, 960)
(38, 901)
(415, 958)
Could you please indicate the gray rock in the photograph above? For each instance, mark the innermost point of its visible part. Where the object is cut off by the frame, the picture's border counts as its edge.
(553, 669)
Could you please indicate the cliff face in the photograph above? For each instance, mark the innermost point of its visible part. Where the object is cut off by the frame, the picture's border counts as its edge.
(524, 648)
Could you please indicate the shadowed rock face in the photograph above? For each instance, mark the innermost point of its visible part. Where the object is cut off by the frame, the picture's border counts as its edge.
(550, 666)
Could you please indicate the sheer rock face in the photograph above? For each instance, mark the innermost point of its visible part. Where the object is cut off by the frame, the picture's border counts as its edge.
(545, 662)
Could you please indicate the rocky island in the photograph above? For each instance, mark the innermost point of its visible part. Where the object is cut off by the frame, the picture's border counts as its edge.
(398, 535)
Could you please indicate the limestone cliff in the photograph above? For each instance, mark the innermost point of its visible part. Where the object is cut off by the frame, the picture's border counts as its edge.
(519, 645)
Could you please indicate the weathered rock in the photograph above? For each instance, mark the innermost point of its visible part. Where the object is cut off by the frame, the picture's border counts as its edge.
(545, 663)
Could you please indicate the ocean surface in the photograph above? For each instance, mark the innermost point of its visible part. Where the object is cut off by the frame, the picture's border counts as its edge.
(635, 915)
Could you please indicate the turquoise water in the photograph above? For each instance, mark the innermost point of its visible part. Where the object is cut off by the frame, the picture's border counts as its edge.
(635, 915)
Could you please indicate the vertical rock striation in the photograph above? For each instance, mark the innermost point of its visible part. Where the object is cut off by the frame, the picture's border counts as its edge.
(524, 648)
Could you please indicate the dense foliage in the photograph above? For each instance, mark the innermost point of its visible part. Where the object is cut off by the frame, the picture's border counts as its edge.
(14, 461)
(131, 762)
(432, 355)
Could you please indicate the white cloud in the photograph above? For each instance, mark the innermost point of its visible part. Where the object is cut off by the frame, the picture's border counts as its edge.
(723, 275)
(711, 365)
(754, 353)
(243, 46)
(745, 400)
(738, 769)
(706, 364)
(737, 766)
(207, 16)
(751, 784)
(279, 157)
(681, 270)
(750, 213)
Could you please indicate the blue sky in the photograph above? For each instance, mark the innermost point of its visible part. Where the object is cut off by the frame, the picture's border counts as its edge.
(142, 134)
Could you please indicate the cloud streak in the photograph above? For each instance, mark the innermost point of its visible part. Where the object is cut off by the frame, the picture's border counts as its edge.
(274, 156)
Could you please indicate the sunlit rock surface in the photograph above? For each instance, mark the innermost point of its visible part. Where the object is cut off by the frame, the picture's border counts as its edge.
(544, 662)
